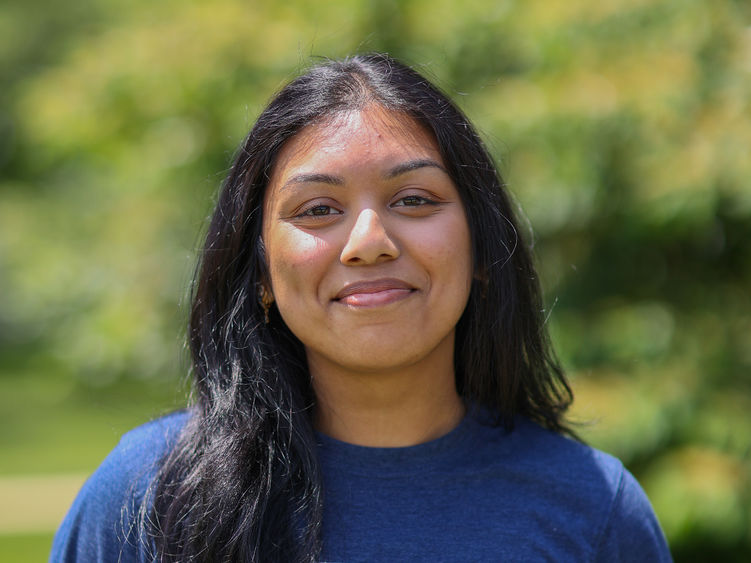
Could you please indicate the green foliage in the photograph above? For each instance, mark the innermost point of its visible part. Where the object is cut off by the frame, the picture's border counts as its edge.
(25, 547)
(622, 127)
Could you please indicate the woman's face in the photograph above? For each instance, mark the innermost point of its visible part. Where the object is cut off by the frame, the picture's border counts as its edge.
(367, 242)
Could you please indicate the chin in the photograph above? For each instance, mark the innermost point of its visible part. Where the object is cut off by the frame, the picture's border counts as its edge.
(385, 348)
(377, 365)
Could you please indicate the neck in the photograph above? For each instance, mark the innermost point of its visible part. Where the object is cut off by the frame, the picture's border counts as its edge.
(387, 408)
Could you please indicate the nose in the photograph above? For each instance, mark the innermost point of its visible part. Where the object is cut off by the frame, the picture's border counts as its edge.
(368, 241)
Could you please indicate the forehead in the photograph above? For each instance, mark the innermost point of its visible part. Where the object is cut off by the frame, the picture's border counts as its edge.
(355, 141)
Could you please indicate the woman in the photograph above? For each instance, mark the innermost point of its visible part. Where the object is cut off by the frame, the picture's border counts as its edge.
(373, 378)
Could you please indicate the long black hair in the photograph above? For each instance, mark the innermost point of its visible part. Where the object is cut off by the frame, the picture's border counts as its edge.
(243, 483)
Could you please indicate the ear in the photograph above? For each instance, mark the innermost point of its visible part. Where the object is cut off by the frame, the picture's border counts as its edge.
(265, 295)
(482, 279)
(266, 298)
(263, 285)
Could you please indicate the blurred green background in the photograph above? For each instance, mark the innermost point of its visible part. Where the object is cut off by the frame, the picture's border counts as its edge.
(622, 126)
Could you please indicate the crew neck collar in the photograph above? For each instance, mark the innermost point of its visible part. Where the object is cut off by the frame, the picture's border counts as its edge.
(433, 455)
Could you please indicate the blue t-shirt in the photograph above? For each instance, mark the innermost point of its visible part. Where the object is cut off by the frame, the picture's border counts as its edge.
(479, 493)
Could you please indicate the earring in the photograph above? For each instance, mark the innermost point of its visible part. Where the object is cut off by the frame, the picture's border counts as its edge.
(266, 298)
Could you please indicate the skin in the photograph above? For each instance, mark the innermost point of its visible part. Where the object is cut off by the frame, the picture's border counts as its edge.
(369, 256)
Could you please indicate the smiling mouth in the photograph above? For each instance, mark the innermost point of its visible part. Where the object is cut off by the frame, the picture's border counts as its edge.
(374, 293)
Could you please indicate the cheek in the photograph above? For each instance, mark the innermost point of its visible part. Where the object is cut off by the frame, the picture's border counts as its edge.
(296, 259)
(449, 252)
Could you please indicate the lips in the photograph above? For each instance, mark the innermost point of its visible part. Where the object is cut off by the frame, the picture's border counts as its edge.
(374, 293)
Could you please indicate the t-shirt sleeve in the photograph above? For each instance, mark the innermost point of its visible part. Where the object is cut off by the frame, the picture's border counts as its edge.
(632, 532)
(103, 522)
(100, 525)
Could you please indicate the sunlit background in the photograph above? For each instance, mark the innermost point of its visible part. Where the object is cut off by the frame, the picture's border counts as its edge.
(623, 128)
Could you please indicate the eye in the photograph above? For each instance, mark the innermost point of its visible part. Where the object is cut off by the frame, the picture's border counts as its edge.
(414, 201)
(319, 211)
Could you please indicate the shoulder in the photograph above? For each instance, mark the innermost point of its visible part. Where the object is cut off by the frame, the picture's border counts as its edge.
(553, 458)
(565, 460)
(100, 524)
(631, 531)
(591, 489)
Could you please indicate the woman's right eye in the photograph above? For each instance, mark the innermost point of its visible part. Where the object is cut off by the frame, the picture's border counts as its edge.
(319, 211)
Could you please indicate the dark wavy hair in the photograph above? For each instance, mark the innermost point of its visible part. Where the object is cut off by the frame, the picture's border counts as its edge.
(243, 482)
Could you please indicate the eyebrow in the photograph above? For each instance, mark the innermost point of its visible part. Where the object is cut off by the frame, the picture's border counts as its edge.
(314, 178)
(411, 165)
(399, 169)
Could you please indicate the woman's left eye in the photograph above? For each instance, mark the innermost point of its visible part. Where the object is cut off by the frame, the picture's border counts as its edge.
(413, 201)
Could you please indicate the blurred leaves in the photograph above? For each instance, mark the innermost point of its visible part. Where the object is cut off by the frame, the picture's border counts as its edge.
(622, 127)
